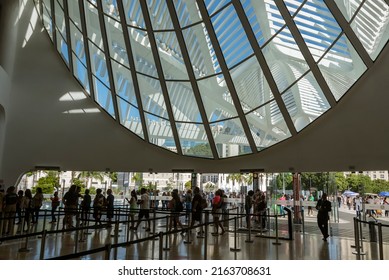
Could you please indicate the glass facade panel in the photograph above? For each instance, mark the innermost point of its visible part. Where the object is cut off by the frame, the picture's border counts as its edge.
(215, 5)
(103, 96)
(47, 18)
(285, 59)
(159, 15)
(134, 13)
(160, 132)
(123, 83)
(348, 7)
(99, 65)
(170, 56)
(216, 98)
(153, 100)
(129, 117)
(231, 36)
(230, 138)
(62, 48)
(77, 40)
(341, 67)
(251, 85)
(183, 102)
(74, 12)
(141, 50)
(200, 49)
(265, 133)
(184, 12)
(93, 25)
(60, 19)
(371, 25)
(305, 101)
(81, 73)
(117, 47)
(337, 60)
(193, 140)
(317, 26)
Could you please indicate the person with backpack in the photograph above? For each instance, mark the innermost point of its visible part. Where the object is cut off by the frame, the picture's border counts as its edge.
(217, 203)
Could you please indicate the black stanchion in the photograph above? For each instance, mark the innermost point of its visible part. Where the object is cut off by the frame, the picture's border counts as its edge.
(357, 239)
(116, 239)
(380, 240)
(166, 248)
(43, 244)
(276, 225)
(235, 249)
(107, 251)
(160, 245)
(24, 249)
(249, 226)
(206, 236)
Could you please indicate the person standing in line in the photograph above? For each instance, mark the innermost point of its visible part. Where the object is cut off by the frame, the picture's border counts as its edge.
(70, 200)
(37, 202)
(98, 204)
(133, 201)
(54, 206)
(19, 204)
(197, 209)
(10, 200)
(188, 204)
(110, 206)
(217, 203)
(144, 209)
(175, 207)
(85, 207)
(323, 207)
(28, 209)
(248, 205)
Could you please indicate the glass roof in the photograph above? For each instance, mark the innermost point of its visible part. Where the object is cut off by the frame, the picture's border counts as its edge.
(216, 78)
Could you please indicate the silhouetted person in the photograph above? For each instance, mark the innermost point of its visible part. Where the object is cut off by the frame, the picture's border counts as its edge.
(323, 207)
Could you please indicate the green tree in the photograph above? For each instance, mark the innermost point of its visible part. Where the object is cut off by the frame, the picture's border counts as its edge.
(283, 179)
(49, 183)
(201, 150)
(138, 179)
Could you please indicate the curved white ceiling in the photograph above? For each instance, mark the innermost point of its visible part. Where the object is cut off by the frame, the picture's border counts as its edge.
(217, 79)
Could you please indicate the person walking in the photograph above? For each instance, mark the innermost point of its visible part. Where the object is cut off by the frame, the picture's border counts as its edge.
(144, 209)
(323, 207)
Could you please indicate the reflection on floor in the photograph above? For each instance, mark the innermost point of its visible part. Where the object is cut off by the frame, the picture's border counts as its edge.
(229, 246)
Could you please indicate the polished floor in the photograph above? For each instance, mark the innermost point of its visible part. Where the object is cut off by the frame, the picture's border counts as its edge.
(307, 243)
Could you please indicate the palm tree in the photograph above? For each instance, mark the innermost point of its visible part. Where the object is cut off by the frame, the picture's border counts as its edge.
(138, 179)
(88, 176)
